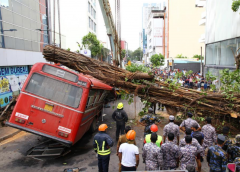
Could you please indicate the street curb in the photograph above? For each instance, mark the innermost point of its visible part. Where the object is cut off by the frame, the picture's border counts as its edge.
(10, 135)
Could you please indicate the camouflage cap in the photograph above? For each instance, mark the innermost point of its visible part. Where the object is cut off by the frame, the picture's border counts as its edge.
(237, 138)
(171, 117)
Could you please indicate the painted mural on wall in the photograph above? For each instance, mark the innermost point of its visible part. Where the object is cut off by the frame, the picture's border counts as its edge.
(11, 82)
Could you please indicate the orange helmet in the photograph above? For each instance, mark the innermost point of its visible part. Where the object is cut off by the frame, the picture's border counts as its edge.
(131, 135)
(154, 128)
(102, 127)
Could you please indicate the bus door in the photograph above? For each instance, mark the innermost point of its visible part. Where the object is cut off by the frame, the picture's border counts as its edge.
(54, 100)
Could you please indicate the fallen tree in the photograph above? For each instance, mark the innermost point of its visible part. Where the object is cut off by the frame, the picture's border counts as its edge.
(180, 98)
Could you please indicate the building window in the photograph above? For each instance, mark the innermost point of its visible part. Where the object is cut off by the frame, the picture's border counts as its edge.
(89, 22)
(92, 24)
(89, 7)
(220, 53)
(95, 27)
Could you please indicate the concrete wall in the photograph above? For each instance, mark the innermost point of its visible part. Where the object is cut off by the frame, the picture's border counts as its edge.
(184, 29)
(132, 110)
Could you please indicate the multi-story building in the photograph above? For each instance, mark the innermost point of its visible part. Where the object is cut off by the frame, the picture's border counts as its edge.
(24, 31)
(148, 40)
(155, 33)
(184, 29)
(222, 36)
(78, 18)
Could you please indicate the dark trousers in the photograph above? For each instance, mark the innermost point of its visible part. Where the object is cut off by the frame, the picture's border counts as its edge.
(128, 168)
(120, 128)
(103, 163)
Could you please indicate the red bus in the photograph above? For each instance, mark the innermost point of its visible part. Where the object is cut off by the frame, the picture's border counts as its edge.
(59, 104)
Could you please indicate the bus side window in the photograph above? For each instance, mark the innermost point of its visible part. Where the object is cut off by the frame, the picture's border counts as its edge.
(90, 98)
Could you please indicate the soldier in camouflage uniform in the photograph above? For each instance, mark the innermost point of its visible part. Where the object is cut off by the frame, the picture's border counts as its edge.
(151, 154)
(225, 132)
(171, 128)
(233, 150)
(170, 154)
(148, 120)
(209, 132)
(194, 142)
(188, 123)
(237, 162)
(217, 157)
(188, 154)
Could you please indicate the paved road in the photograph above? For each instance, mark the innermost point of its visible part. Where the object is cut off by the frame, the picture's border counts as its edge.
(13, 153)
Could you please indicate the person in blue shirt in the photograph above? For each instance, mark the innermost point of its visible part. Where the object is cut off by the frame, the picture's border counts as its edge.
(217, 157)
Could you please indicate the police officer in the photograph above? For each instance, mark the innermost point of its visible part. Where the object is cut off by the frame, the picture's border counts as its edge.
(188, 123)
(171, 128)
(169, 154)
(209, 133)
(233, 150)
(217, 157)
(148, 120)
(121, 117)
(187, 153)
(102, 143)
(154, 129)
(225, 132)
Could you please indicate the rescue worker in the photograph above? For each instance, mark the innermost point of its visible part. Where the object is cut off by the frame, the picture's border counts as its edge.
(169, 154)
(123, 139)
(129, 153)
(209, 133)
(151, 154)
(153, 129)
(233, 150)
(148, 120)
(225, 132)
(199, 137)
(171, 128)
(217, 157)
(188, 123)
(102, 143)
(121, 117)
(187, 154)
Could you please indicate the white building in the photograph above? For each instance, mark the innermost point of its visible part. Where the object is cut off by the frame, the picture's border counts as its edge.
(152, 28)
(78, 18)
(222, 35)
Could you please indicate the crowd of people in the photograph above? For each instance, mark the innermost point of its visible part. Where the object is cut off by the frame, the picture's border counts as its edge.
(167, 152)
(185, 78)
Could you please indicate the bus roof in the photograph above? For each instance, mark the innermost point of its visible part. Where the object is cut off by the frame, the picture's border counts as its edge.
(95, 83)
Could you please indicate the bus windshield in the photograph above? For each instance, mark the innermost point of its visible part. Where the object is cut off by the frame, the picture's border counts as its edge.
(54, 90)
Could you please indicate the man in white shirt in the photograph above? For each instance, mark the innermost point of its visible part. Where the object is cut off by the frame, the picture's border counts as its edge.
(129, 153)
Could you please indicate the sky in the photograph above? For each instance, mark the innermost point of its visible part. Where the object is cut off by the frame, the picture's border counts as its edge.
(131, 21)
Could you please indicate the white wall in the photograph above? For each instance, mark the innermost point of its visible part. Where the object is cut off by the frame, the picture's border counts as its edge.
(221, 22)
(132, 110)
(10, 57)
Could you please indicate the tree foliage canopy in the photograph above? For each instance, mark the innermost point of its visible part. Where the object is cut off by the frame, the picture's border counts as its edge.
(137, 68)
(235, 5)
(137, 54)
(93, 43)
(123, 54)
(157, 60)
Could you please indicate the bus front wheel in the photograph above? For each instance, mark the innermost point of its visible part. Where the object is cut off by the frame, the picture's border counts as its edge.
(93, 126)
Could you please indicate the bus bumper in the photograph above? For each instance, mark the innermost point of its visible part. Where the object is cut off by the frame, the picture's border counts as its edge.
(65, 142)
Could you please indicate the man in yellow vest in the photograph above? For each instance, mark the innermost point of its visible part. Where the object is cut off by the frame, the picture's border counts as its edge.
(154, 129)
(102, 143)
